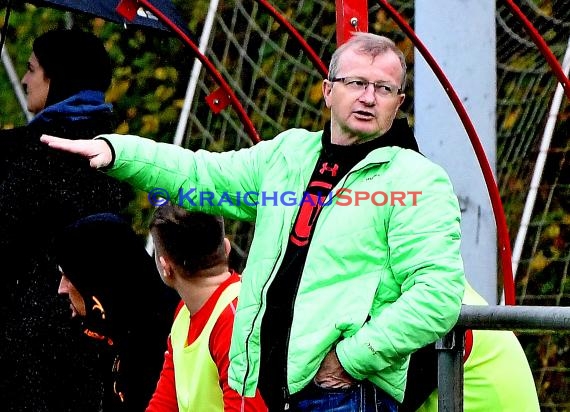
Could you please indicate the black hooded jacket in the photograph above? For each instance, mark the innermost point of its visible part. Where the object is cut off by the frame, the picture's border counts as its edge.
(45, 366)
(109, 266)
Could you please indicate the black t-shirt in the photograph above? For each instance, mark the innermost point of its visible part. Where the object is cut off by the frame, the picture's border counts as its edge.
(334, 163)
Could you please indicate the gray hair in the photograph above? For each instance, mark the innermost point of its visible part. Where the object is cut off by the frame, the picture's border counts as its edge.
(370, 44)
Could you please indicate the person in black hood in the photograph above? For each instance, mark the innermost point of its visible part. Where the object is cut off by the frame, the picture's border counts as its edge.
(75, 63)
(116, 293)
(40, 193)
(74, 66)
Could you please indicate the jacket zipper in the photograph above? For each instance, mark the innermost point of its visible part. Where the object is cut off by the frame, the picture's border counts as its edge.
(285, 389)
(254, 320)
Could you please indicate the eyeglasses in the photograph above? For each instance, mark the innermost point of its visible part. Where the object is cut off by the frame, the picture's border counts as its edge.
(382, 89)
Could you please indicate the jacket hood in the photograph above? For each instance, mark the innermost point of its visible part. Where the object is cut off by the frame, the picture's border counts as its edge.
(103, 258)
(73, 60)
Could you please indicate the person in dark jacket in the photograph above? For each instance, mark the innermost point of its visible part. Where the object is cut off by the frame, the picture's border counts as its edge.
(41, 192)
(116, 293)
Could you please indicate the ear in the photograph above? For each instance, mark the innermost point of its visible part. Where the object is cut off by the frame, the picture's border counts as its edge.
(167, 268)
(327, 90)
(227, 246)
(401, 98)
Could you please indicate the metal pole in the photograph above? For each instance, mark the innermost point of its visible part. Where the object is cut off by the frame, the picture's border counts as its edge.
(190, 90)
(204, 39)
(450, 371)
(515, 318)
(15, 82)
(529, 318)
(473, 97)
(540, 162)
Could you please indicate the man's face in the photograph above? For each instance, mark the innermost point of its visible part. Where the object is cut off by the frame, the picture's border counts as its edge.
(77, 303)
(36, 85)
(361, 115)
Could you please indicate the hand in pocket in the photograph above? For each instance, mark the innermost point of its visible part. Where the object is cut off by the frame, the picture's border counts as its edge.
(332, 375)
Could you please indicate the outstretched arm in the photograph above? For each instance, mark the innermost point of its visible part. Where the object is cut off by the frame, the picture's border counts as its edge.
(98, 151)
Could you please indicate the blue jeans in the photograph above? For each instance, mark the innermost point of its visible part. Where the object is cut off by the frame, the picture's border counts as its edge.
(362, 397)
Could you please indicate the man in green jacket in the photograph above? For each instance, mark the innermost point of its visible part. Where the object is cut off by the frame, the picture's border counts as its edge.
(355, 262)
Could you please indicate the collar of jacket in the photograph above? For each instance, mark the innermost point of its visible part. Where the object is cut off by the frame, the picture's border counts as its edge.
(399, 136)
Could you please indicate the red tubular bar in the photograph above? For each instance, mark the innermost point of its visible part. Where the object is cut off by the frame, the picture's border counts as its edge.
(502, 229)
(295, 33)
(210, 67)
(351, 16)
(542, 46)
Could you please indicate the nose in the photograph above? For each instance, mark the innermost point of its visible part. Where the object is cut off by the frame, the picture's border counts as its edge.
(63, 288)
(368, 95)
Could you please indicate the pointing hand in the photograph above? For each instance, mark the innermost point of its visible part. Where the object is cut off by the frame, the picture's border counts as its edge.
(97, 151)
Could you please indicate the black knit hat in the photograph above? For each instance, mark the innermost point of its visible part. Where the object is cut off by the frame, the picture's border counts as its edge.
(73, 60)
(127, 304)
(103, 257)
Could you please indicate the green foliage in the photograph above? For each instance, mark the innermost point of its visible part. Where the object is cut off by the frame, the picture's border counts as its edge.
(26, 22)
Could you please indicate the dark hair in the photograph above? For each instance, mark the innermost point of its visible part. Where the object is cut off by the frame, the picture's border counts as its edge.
(193, 240)
(74, 61)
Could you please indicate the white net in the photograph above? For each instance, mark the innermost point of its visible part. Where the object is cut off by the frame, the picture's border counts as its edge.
(274, 79)
(526, 86)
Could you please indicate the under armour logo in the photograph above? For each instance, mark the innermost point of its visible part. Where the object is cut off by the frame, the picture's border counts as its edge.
(327, 168)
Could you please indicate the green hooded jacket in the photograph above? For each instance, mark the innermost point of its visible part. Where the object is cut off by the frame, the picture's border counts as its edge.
(383, 275)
